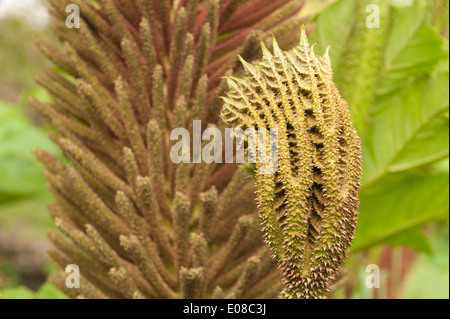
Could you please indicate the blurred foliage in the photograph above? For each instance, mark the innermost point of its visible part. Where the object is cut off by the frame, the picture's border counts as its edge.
(20, 59)
(47, 291)
(23, 199)
(22, 185)
(21, 174)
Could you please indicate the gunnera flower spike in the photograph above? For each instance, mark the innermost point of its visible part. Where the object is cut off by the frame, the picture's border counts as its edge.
(137, 224)
(309, 205)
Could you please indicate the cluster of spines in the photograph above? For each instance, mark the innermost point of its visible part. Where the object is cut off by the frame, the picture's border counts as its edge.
(309, 206)
(138, 225)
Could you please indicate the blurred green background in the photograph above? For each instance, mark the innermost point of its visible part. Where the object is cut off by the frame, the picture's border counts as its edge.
(410, 244)
(23, 195)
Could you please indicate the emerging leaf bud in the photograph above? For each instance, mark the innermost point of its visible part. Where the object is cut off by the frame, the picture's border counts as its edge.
(309, 206)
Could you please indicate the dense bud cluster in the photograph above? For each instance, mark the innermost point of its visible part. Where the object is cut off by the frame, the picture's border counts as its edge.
(137, 224)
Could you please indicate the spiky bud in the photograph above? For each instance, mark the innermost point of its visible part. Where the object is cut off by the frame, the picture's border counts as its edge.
(137, 224)
(309, 206)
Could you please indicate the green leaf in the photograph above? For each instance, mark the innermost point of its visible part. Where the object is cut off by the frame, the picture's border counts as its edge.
(369, 62)
(334, 26)
(21, 174)
(48, 291)
(409, 128)
(413, 238)
(23, 194)
(399, 204)
(441, 166)
(413, 47)
(17, 293)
